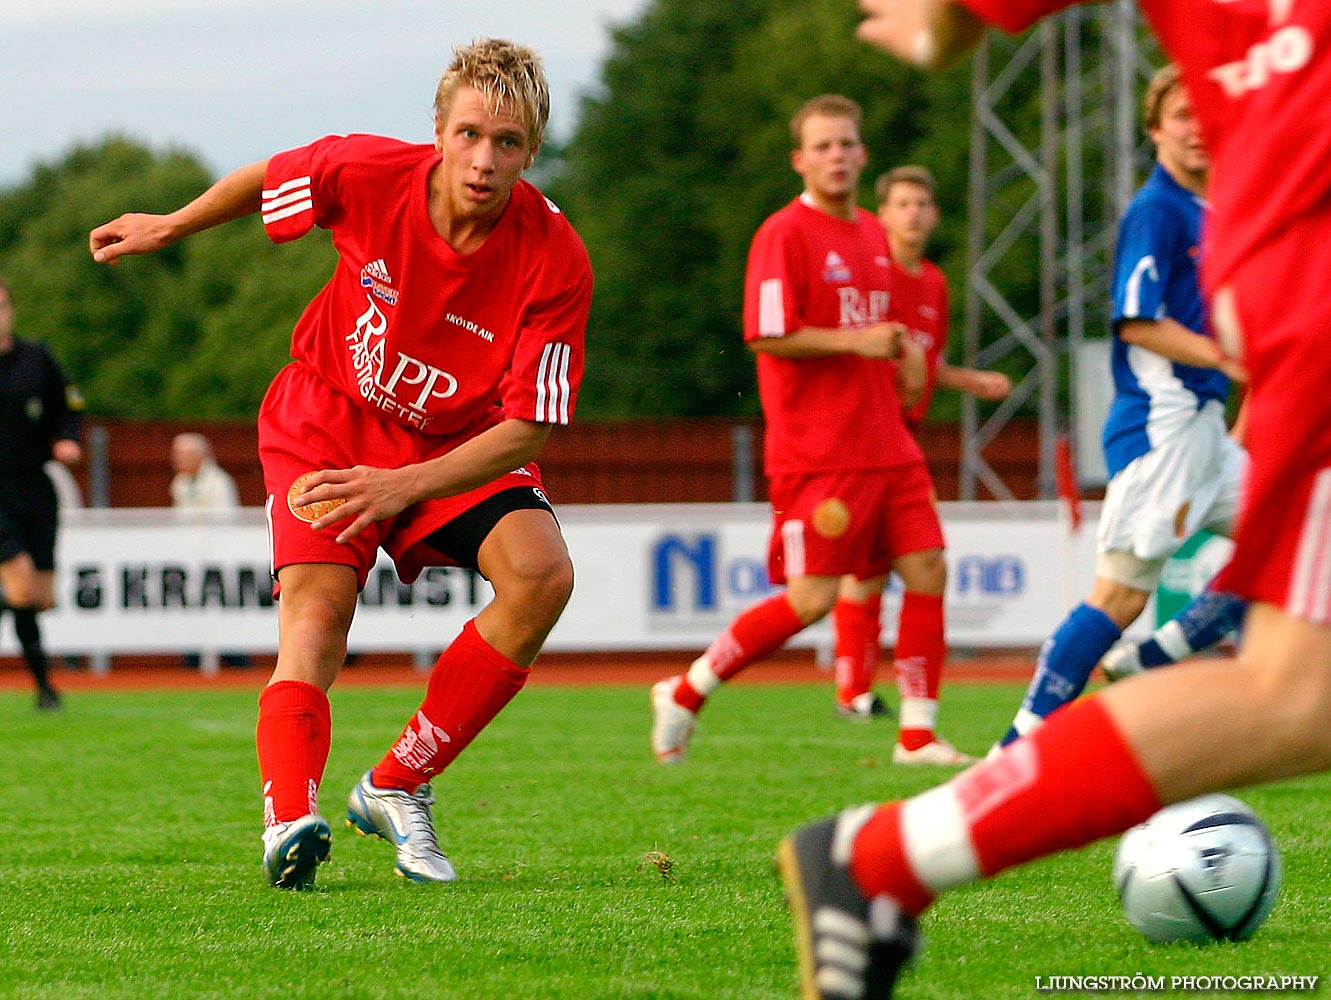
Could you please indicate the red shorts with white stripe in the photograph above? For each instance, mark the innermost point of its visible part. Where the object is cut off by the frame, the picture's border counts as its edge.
(833, 523)
(1282, 550)
(306, 425)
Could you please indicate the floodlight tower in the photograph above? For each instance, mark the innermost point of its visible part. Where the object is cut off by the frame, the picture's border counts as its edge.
(1057, 199)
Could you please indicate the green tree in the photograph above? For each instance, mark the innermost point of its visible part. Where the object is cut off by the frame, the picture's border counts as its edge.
(195, 330)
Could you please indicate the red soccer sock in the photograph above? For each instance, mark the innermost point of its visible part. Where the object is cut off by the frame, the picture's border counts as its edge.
(292, 737)
(858, 634)
(755, 633)
(920, 651)
(470, 684)
(1070, 782)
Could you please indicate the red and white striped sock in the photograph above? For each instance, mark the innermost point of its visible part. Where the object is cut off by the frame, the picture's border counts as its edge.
(1070, 782)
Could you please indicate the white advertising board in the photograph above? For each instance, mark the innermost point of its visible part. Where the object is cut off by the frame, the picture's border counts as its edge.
(649, 577)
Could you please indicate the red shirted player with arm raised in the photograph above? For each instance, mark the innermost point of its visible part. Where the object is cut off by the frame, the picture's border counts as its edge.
(849, 487)
(1258, 73)
(428, 374)
(909, 214)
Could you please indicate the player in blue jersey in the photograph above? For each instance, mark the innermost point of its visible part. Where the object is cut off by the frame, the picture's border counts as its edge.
(1173, 467)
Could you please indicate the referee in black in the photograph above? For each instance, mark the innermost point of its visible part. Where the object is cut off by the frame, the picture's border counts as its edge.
(40, 419)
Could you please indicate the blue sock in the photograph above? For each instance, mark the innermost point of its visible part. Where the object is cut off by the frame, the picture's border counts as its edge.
(1066, 661)
(1207, 618)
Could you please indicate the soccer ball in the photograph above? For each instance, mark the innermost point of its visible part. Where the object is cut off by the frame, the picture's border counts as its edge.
(1201, 870)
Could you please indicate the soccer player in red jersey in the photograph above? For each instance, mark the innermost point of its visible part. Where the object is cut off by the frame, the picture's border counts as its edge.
(849, 487)
(428, 374)
(909, 214)
(1258, 72)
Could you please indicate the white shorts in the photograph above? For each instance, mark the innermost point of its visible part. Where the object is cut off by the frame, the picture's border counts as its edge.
(1190, 482)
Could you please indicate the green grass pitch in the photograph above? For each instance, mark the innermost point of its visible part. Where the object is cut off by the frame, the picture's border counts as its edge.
(130, 859)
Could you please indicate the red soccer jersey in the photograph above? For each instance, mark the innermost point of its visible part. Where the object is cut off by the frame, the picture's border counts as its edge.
(810, 269)
(1259, 79)
(919, 302)
(440, 341)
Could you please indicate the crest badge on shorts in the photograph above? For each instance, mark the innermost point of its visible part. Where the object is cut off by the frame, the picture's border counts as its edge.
(831, 518)
(1181, 519)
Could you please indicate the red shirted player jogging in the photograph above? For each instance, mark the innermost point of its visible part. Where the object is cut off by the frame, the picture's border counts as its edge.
(850, 490)
(428, 374)
(1258, 72)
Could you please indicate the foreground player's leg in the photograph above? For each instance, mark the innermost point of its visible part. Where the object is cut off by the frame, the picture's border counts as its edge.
(484, 668)
(1095, 769)
(1201, 624)
(756, 633)
(470, 684)
(1070, 655)
(295, 726)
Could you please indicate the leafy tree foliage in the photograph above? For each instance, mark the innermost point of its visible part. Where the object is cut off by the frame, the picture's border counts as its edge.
(194, 331)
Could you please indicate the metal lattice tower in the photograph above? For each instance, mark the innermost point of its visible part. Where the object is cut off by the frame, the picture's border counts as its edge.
(1066, 192)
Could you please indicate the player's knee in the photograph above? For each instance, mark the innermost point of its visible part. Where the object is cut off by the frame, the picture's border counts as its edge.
(541, 581)
(811, 599)
(923, 572)
(320, 621)
(1122, 602)
(1295, 698)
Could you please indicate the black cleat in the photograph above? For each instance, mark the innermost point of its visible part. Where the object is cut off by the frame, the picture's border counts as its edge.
(850, 947)
(48, 699)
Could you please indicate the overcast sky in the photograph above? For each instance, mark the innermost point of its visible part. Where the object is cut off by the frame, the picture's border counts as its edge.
(236, 80)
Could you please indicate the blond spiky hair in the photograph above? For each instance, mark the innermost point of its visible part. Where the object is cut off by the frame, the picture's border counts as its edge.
(508, 74)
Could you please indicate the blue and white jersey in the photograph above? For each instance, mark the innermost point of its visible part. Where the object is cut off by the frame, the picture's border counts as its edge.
(1156, 265)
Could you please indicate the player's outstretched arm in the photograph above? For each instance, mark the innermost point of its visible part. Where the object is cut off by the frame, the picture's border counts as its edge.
(981, 383)
(237, 194)
(928, 33)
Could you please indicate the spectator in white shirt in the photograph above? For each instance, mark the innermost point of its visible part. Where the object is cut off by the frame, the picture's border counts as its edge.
(200, 483)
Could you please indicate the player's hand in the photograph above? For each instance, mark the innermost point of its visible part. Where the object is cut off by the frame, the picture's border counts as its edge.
(882, 341)
(992, 386)
(133, 233)
(367, 494)
(67, 451)
(928, 33)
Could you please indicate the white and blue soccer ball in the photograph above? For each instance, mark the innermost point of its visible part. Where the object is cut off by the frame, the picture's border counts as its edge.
(1201, 870)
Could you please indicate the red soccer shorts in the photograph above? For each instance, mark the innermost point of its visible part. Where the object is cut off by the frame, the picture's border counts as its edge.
(305, 425)
(858, 522)
(1282, 550)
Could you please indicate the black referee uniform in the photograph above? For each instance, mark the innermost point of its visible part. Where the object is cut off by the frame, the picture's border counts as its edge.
(37, 408)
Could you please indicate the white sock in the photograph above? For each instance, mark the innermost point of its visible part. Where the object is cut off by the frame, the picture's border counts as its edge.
(701, 677)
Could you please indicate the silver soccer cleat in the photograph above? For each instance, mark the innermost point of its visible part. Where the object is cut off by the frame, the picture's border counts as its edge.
(293, 851)
(403, 819)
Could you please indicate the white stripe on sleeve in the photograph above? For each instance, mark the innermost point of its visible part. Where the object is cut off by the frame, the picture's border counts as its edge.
(771, 309)
(553, 393)
(1132, 292)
